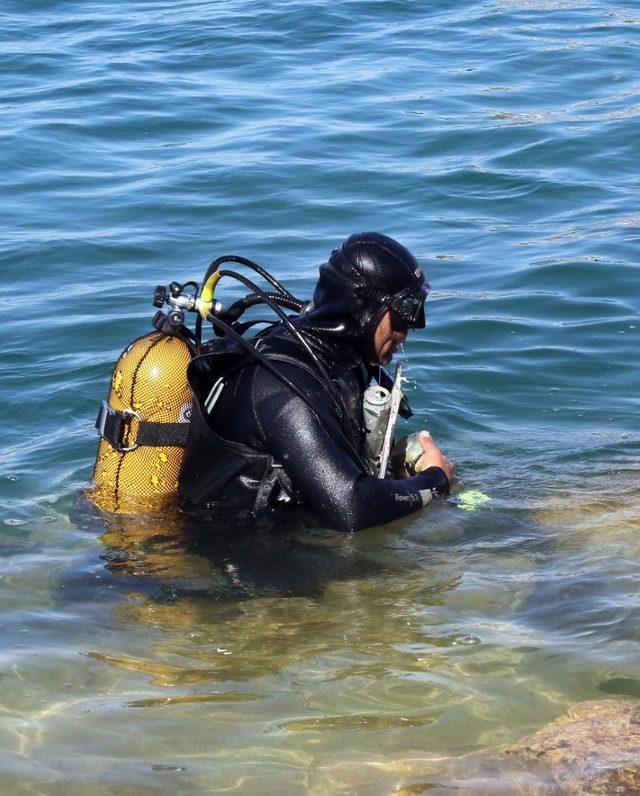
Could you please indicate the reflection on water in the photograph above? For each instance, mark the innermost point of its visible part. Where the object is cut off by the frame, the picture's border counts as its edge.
(236, 606)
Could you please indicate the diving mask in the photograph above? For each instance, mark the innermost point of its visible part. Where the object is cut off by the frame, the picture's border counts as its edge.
(407, 307)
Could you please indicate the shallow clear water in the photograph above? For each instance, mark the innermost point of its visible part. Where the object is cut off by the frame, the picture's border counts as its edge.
(499, 141)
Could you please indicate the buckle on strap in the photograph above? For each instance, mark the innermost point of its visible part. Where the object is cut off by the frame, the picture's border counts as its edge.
(114, 426)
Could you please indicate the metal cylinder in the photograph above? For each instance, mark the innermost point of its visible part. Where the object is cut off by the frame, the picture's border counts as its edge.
(376, 405)
(149, 383)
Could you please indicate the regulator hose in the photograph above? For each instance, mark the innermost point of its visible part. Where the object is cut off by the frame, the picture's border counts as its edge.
(234, 312)
(283, 316)
(234, 258)
(208, 284)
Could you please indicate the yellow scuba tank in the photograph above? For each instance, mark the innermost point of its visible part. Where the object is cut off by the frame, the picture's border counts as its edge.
(144, 423)
(149, 407)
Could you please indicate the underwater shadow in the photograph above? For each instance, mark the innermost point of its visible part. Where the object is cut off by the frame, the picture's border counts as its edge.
(176, 556)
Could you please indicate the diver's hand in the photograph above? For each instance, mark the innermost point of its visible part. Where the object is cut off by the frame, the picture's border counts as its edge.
(433, 458)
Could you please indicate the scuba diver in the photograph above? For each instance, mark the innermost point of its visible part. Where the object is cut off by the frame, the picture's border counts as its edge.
(282, 425)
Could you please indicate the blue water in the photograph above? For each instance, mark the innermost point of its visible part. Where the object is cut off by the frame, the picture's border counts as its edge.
(498, 140)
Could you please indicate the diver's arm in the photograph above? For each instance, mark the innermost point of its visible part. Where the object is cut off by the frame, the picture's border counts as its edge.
(325, 473)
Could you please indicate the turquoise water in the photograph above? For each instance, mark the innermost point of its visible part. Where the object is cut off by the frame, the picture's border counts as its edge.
(498, 140)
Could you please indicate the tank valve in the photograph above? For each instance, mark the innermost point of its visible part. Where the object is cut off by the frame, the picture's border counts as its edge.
(159, 296)
(179, 302)
(171, 323)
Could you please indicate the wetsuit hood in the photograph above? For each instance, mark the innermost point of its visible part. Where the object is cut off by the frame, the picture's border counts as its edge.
(368, 274)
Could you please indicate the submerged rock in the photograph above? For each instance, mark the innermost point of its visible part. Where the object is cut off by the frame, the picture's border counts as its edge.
(593, 748)
(603, 512)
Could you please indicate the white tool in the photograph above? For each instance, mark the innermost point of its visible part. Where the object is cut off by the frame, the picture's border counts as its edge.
(396, 397)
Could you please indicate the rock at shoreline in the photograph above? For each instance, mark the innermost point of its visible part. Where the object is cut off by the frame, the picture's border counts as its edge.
(593, 748)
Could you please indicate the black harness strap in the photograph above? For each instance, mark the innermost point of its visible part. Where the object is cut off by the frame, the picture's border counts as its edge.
(157, 435)
(114, 427)
(264, 490)
(274, 476)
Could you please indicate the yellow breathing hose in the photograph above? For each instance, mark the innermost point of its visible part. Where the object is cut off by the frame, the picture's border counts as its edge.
(205, 302)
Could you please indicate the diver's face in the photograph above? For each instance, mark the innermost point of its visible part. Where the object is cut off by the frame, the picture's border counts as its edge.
(387, 339)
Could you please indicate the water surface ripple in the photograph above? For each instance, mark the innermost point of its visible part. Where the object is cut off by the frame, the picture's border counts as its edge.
(499, 141)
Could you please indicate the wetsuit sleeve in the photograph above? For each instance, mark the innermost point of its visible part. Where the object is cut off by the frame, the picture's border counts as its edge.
(323, 470)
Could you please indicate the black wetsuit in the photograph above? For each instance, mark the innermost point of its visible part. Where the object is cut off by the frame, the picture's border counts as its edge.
(310, 446)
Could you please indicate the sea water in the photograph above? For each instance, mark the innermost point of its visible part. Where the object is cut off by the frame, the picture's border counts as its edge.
(499, 141)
